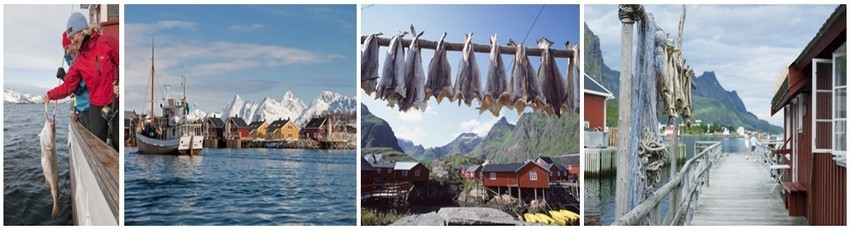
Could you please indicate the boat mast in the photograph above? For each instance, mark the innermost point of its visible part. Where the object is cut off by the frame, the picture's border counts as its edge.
(152, 76)
(183, 78)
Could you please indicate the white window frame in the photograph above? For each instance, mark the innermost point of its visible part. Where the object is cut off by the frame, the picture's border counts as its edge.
(840, 52)
(532, 176)
(492, 175)
(416, 172)
(815, 120)
(403, 172)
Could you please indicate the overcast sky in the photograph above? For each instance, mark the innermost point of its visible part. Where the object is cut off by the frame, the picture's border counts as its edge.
(747, 46)
(255, 51)
(440, 124)
(32, 42)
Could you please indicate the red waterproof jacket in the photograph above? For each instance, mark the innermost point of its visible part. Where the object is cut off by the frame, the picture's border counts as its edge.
(96, 64)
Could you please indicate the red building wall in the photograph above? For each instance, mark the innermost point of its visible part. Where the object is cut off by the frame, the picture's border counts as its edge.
(411, 175)
(828, 193)
(594, 110)
(317, 134)
(503, 179)
(542, 177)
(367, 177)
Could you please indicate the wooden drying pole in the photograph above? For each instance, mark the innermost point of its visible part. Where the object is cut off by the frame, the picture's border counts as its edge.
(478, 48)
(628, 14)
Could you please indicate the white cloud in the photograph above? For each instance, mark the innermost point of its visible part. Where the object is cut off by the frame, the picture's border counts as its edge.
(32, 36)
(480, 128)
(205, 58)
(412, 115)
(246, 28)
(416, 134)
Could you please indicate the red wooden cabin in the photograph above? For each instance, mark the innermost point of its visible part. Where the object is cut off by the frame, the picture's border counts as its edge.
(595, 98)
(519, 176)
(813, 101)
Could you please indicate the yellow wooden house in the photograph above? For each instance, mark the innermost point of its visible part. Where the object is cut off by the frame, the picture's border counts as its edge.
(282, 130)
(258, 129)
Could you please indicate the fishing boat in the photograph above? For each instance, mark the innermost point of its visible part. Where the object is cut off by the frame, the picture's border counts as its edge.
(171, 132)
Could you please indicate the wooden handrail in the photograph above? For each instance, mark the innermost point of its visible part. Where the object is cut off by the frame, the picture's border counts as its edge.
(645, 208)
(478, 48)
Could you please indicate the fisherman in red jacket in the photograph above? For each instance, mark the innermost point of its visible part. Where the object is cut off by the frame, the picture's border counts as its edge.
(96, 64)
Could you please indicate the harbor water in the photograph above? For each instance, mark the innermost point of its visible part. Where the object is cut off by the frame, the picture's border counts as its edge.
(241, 187)
(26, 195)
(601, 192)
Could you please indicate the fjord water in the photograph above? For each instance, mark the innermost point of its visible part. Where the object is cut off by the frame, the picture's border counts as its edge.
(241, 187)
(26, 195)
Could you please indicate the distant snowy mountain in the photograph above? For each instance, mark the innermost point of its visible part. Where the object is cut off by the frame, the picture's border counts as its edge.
(11, 96)
(289, 107)
(196, 114)
(327, 102)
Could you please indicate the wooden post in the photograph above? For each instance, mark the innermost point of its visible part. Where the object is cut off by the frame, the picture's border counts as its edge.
(675, 198)
(627, 17)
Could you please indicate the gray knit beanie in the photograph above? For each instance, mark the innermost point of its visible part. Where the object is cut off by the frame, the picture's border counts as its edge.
(76, 23)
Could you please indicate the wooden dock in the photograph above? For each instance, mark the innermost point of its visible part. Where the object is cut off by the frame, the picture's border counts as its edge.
(739, 194)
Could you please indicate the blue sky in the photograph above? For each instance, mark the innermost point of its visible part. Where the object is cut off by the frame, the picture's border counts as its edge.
(747, 46)
(255, 51)
(440, 124)
(32, 45)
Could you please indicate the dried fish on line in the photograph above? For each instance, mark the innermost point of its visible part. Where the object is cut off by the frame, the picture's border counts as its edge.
(468, 81)
(496, 93)
(414, 77)
(571, 100)
(439, 83)
(525, 89)
(369, 64)
(392, 87)
(551, 81)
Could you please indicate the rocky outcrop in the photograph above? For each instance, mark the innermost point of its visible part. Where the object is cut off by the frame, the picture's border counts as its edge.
(460, 216)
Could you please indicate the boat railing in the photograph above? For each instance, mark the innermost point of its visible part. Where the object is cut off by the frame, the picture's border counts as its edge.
(683, 190)
(94, 172)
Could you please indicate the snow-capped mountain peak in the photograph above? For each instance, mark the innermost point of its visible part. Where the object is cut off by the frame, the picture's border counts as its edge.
(16, 97)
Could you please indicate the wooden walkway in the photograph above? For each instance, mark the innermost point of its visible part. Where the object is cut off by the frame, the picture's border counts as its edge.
(739, 195)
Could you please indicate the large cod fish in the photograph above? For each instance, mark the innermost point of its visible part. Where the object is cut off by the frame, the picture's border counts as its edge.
(48, 160)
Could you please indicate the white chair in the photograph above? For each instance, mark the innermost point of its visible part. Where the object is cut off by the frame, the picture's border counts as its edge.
(778, 178)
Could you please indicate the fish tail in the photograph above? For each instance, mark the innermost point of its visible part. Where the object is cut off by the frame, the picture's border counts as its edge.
(55, 213)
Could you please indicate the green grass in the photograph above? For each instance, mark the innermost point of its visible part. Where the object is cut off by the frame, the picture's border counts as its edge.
(371, 217)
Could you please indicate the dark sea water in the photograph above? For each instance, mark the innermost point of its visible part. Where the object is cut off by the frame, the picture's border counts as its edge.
(241, 187)
(601, 192)
(26, 195)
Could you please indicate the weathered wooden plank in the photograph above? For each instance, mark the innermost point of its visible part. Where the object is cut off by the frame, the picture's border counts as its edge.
(739, 195)
(478, 48)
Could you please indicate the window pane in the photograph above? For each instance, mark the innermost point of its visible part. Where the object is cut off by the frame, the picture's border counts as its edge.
(840, 103)
(840, 65)
(840, 135)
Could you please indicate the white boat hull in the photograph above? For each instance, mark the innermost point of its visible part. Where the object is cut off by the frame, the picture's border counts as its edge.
(181, 145)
